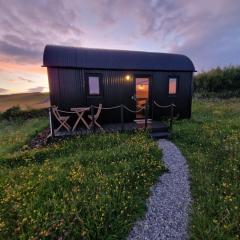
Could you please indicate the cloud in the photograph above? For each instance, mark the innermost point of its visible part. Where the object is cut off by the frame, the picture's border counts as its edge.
(27, 26)
(19, 53)
(207, 31)
(21, 79)
(3, 90)
(36, 89)
(26, 80)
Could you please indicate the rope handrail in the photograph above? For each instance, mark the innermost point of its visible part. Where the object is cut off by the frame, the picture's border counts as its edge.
(122, 106)
(165, 106)
(130, 110)
(107, 108)
(118, 106)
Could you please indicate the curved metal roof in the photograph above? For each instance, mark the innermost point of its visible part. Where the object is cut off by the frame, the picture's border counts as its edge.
(60, 56)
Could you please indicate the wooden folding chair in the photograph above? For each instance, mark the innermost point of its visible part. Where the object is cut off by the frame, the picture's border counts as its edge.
(95, 117)
(61, 119)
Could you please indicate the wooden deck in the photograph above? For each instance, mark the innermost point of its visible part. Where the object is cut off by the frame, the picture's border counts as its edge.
(152, 127)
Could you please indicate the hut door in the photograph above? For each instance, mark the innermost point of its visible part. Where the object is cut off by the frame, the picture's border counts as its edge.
(142, 95)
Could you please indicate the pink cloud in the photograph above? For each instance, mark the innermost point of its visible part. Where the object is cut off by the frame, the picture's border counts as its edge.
(207, 31)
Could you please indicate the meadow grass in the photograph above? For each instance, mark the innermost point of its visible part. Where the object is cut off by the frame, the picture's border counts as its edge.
(211, 143)
(14, 134)
(93, 187)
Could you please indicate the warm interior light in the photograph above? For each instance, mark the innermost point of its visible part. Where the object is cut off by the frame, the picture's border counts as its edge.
(127, 77)
(172, 88)
(141, 86)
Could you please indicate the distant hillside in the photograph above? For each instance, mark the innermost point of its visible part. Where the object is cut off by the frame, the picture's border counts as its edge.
(24, 101)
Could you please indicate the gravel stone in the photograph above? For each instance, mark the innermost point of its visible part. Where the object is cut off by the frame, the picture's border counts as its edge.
(168, 205)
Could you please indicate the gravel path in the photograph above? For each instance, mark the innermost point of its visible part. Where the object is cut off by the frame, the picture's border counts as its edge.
(167, 207)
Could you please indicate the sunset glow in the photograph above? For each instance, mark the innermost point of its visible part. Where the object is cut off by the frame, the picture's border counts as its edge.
(189, 27)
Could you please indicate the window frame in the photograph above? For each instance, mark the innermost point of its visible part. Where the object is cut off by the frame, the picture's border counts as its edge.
(100, 84)
(177, 80)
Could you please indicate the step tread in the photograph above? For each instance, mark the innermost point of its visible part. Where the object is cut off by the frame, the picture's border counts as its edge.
(157, 135)
(159, 129)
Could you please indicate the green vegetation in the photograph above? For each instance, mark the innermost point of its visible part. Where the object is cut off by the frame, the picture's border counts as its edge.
(95, 187)
(14, 134)
(16, 113)
(217, 82)
(211, 143)
(92, 187)
(24, 101)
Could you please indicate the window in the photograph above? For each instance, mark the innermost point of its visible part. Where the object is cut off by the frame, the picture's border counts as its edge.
(172, 86)
(93, 85)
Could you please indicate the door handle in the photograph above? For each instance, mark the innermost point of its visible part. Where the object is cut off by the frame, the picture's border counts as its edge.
(134, 97)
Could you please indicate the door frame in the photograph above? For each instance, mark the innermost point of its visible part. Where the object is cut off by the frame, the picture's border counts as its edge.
(150, 79)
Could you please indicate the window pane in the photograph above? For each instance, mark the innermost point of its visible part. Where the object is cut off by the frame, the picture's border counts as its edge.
(172, 88)
(93, 83)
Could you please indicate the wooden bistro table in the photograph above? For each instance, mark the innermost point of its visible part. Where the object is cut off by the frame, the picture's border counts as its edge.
(80, 111)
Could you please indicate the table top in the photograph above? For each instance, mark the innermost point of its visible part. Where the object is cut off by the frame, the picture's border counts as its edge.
(80, 109)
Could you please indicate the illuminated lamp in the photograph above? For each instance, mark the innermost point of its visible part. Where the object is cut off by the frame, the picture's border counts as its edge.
(127, 77)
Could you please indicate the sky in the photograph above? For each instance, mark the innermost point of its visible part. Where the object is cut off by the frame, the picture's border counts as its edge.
(207, 31)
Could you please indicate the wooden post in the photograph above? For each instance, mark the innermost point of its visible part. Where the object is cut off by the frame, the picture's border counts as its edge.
(152, 108)
(146, 114)
(122, 118)
(50, 122)
(172, 113)
(92, 114)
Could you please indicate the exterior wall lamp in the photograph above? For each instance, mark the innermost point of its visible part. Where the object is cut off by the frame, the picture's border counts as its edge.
(127, 77)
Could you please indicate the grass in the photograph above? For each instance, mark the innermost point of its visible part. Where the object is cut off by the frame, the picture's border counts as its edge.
(24, 101)
(211, 143)
(14, 134)
(93, 187)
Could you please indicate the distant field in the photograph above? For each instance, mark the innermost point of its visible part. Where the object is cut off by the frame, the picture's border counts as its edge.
(24, 101)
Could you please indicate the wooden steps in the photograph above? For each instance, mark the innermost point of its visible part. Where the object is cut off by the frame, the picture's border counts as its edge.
(159, 135)
(158, 132)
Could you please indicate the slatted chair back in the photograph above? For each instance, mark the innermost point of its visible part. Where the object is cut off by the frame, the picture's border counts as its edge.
(95, 117)
(56, 113)
(62, 120)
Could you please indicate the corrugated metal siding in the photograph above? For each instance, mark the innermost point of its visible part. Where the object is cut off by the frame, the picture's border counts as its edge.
(68, 89)
(59, 56)
(116, 90)
(53, 86)
(50, 55)
(182, 99)
(72, 90)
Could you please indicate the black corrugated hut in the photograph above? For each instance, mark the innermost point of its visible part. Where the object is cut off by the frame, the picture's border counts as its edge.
(84, 76)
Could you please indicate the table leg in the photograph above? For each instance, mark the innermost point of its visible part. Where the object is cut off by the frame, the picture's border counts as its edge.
(79, 118)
